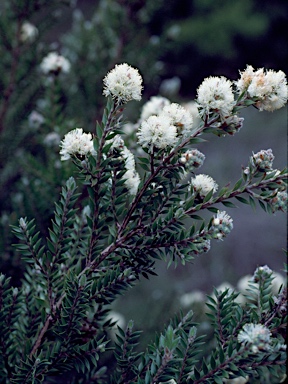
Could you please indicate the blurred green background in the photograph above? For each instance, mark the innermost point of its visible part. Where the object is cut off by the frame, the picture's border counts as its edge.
(185, 41)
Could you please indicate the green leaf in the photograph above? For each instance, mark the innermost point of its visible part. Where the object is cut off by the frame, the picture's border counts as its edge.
(229, 204)
(237, 185)
(242, 200)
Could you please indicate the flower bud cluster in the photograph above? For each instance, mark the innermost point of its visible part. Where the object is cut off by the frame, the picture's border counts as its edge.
(192, 159)
(257, 335)
(222, 225)
(232, 124)
(202, 246)
(261, 274)
(262, 160)
(279, 202)
(268, 89)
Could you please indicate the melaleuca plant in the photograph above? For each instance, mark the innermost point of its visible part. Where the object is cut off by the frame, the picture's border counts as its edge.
(103, 239)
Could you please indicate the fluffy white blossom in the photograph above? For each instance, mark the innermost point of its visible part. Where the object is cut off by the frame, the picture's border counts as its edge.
(123, 83)
(245, 79)
(277, 282)
(158, 132)
(194, 297)
(255, 334)
(179, 117)
(192, 107)
(268, 88)
(153, 106)
(28, 32)
(35, 119)
(76, 143)
(215, 94)
(203, 184)
(52, 139)
(131, 176)
(54, 63)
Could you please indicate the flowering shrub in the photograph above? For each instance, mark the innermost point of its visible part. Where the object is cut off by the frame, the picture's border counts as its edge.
(129, 213)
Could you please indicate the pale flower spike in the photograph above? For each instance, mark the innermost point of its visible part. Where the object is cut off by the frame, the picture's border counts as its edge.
(123, 83)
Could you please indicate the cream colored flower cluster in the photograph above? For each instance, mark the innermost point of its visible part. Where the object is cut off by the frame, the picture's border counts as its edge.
(123, 83)
(165, 128)
(153, 106)
(203, 184)
(28, 32)
(131, 176)
(54, 63)
(76, 143)
(255, 334)
(268, 88)
(215, 95)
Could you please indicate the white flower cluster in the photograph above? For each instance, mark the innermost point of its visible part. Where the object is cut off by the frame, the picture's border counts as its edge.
(76, 143)
(52, 139)
(164, 129)
(54, 63)
(123, 83)
(222, 225)
(257, 335)
(269, 89)
(131, 176)
(203, 184)
(28, 32)
(153, 107)
(215, 94)
(158, 132)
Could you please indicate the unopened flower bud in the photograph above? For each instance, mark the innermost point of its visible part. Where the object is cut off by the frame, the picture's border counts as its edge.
(23, 223)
